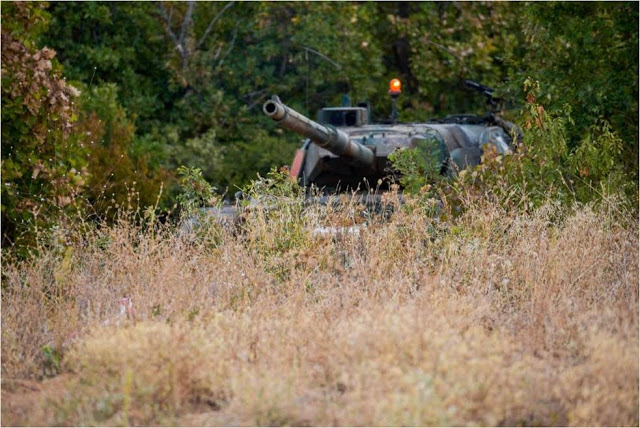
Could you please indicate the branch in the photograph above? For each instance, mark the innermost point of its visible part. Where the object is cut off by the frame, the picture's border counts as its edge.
(167, 26)
(217, 55)
(447, 50)
(252, 94)
(213, 21)
(233, 41)
(326, 58)
(257, 101)
(185, 22)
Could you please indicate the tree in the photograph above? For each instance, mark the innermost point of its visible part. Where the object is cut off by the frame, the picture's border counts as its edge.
(43, 158)
(586, 55)
(116, 52)
(191, 77)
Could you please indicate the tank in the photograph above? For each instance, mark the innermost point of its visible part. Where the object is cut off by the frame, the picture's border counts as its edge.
(344, 150)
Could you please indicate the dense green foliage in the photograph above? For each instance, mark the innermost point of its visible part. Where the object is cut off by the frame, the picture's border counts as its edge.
(420, 166)
(196, 193)
(168, 84)
(586, 55)
(548, 168)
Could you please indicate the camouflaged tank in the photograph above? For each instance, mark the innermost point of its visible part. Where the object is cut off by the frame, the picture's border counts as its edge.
(346, 150)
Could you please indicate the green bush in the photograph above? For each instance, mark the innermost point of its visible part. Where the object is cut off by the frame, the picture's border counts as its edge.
(195, 193)
(545, 168)
(419, 167)
(119, 166)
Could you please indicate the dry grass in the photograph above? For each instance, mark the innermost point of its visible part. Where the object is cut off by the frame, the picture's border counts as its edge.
(491, 319)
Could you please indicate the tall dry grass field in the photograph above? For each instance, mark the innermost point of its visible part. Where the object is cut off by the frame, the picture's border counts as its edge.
(492, 318)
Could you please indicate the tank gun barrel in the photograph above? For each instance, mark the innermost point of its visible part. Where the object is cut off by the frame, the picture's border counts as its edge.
(328, 137)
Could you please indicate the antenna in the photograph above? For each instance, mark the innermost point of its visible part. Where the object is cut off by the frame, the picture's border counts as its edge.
(322, 56)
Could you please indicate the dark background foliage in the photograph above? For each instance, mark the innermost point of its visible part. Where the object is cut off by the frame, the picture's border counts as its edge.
(151, 86)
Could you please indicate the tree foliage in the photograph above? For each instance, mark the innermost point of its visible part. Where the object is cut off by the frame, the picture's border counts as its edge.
(120, 167)
(586, 55)
(548, 168)
(43, 167)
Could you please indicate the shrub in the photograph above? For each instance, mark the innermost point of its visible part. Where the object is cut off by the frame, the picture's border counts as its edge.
(43, 158)
(545, 169)
(118, 169)
(275, 214)
(196, 192)
(419, 167)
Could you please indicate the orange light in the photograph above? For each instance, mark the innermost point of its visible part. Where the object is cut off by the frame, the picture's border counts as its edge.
(395, 86)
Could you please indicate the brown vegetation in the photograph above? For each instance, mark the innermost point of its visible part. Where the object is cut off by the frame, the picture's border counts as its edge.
(493, 318)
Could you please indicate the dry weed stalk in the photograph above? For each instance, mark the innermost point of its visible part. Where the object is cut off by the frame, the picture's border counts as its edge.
(491, 319)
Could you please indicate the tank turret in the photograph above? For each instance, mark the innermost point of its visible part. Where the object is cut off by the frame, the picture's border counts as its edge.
(327, 137)
(346, 151)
